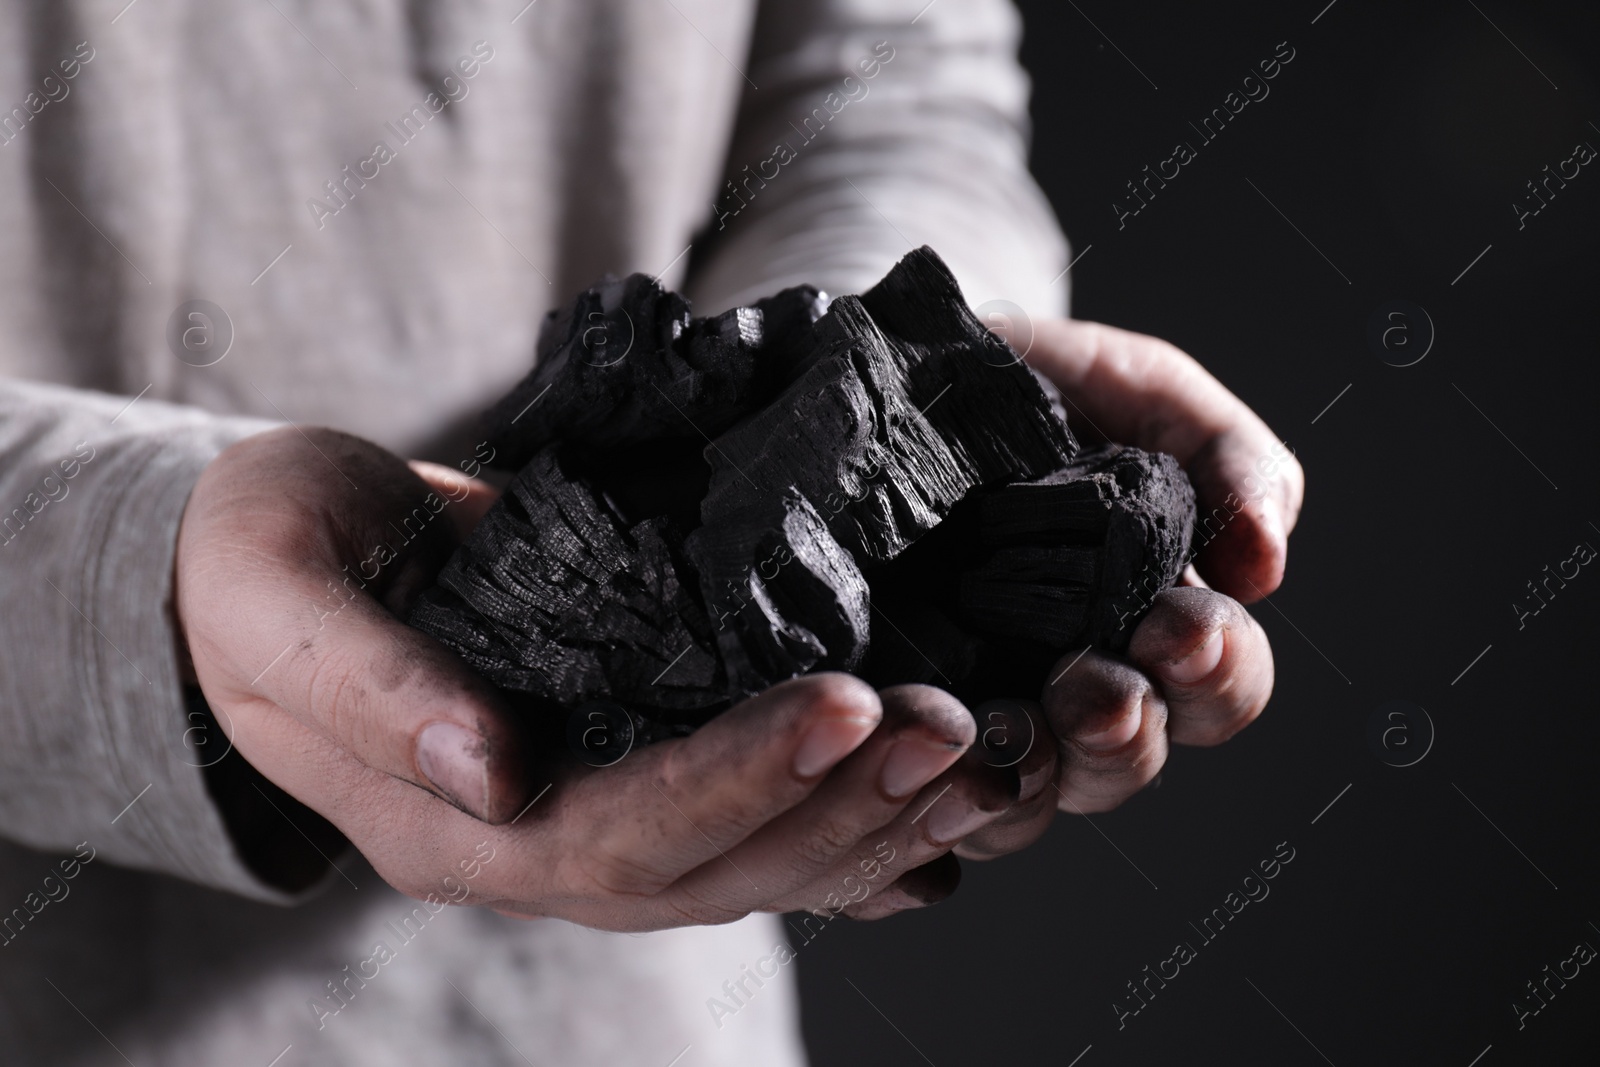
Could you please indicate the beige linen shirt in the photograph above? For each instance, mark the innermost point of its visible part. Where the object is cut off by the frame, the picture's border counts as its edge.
(383, 198)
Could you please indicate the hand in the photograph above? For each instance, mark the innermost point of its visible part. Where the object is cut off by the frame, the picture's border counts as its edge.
(809, 795)
(1199, 668)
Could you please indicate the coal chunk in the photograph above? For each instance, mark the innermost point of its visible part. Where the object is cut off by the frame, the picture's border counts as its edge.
(785, 596)
(705, 507)
(554, 596)
(1076, 557)
(626, 364)
(902, 414)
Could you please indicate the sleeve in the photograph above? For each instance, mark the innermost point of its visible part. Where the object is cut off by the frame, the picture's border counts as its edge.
(97, 746)
(876, 126)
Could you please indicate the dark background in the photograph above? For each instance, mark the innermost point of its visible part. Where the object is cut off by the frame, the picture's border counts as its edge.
(1408, 922)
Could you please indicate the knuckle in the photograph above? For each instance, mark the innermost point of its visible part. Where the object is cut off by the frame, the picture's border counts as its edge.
(680, 776)
(332, 689)
(1104, 783)
(679, 772)
(600, 871)
(492, 888)
(825, 843)
(1093, 794)
(415, 884)
(695, 910)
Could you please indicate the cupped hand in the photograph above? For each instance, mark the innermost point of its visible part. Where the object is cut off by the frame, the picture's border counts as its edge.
(1199, 668)
(296, 554)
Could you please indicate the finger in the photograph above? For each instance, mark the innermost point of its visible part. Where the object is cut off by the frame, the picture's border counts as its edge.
(677, 804)
(286, 622)
(1111, 723)
(1211, 660)
(545, 860)
(1014, 733)
(960, 801)
(469, 498)
(928, 884)
(1243, 517)
(549, 860)
(924, 731)
(1016, 830)
(419, 844)
(1143, 391)
(395, 698)
(404, 704)
(411, 836)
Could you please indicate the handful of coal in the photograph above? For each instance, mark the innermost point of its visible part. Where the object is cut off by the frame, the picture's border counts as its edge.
(705, 507)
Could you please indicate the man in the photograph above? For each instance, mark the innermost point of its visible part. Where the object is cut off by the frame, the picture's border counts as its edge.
(230, 226)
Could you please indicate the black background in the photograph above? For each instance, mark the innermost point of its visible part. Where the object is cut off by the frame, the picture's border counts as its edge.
(1407, 924)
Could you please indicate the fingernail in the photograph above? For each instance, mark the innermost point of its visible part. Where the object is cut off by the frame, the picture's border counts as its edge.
(1032, 784)
(952, 818)
(1197, 664)
(913, 762)
(828, 742)
(1117, 735)
(456, 761)
(895, 899)
(906, 903)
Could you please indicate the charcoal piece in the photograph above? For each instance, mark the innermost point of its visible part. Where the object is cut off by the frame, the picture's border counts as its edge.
(626, 364)
(706, 507)
(905, 411)
(555, 597)
(659, 479)
(783, 595)
(1077, 556)
(914, 639)
(968, 383)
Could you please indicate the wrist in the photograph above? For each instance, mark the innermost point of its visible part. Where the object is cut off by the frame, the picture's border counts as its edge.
(278, 839)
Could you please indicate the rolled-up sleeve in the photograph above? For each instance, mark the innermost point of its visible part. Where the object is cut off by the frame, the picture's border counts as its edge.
(872, 127)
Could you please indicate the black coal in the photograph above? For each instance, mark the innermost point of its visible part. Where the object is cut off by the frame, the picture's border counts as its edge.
(705, 507)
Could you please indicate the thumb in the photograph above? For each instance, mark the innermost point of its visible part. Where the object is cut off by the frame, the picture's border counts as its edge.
(274, 616)
(390, 695)
(312, 640)
(470, 498)
(1142, 391)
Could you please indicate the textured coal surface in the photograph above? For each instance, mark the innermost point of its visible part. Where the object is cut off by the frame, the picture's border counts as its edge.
(556, 596)
(626, 364)
(1076, 556)
(705, 507)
